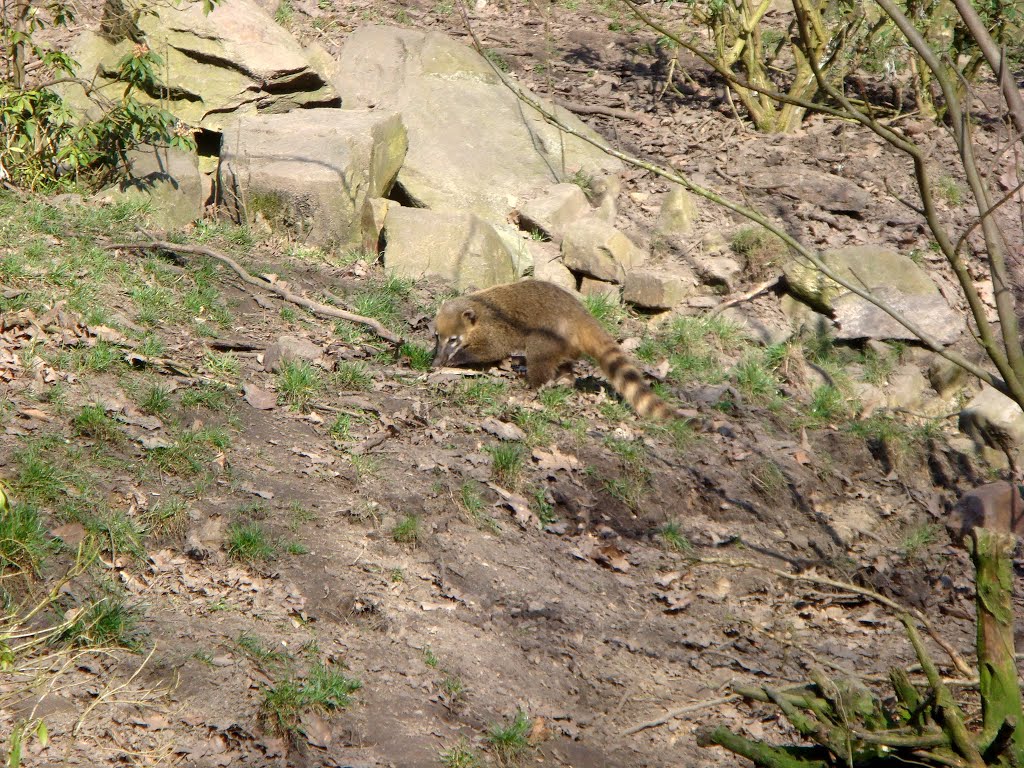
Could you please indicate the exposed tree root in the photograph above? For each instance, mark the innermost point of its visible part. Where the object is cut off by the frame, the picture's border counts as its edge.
(281, 292)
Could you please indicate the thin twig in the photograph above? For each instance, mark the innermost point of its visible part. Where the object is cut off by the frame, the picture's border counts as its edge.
(281, 292)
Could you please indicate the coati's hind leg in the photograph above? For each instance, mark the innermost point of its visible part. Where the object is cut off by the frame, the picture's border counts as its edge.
(544, 359)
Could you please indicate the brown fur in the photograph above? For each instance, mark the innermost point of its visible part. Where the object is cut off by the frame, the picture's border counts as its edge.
(547, 323)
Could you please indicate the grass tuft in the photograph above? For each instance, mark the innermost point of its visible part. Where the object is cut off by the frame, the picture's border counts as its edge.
(248, 543)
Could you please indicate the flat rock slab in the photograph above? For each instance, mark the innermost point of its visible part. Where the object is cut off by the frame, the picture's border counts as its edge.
(824, 190)
(235, 60)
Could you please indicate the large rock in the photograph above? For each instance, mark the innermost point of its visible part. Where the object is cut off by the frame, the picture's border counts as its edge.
(553, 210)
(461, 248)
(595, 248)
(311, 170)
(993, 420)
(473, 146)
(234, 61)
(168, 180)
(892, 277)
(655, 290)
(677, 214)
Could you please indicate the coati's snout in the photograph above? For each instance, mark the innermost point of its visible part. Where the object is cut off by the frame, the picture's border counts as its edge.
(451, 326)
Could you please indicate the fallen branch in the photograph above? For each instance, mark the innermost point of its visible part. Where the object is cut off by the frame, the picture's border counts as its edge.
(759, 289)
(673, 714)
(598, 109)
(281, 292)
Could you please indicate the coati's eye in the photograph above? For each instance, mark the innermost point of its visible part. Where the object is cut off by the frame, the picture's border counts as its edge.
(453, 339)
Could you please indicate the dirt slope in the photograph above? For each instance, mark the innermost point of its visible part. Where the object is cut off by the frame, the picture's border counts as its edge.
(566, 600)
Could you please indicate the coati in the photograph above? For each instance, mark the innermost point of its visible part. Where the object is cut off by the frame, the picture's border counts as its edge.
(547, 323)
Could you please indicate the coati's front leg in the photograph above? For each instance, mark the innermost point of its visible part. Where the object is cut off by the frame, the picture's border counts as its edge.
(544, 358)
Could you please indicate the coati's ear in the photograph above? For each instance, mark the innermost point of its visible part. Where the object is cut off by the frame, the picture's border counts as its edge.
(470, 315)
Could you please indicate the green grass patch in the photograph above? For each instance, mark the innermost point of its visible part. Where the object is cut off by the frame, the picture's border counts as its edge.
(351, 376)
(608, 311)
(260, 651)
(298, 382)
(918, 538)
(484, 392)
(673, 538)
(322, 691)
(382, 299)
(109, 621)
(249, 543)
(419, 357)
(406, 530)
(507, 462)
(211, 395)
(24, 545)
(508, 740)
(459, 755)
(92, 421)
(155, 400)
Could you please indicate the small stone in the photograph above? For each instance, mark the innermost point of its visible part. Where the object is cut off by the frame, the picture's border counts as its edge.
(719, 271)
(906, 388)
(547, 265)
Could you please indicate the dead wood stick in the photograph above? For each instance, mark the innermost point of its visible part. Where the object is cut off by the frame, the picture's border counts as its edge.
(597, 109)
(673, 714)
(746, 296)
(283, 293)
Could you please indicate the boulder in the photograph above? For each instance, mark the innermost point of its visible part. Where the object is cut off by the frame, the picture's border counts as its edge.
(169, 180)
(461, 248)
(945, 377)
(655, 291)
(595, 248)
(892, 277)
(677, 215)
(234, 61)
(473, 146)
(310, 171)
(993, 420)
(908, 389)
(591, 287)
(371, 223)
(547, 265)
(720, 271)
(554, 209)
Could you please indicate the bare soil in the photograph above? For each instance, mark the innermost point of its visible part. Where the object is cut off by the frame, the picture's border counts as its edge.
(591, 624)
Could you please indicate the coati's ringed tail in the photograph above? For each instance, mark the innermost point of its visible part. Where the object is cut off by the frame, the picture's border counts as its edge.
(549, 325)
